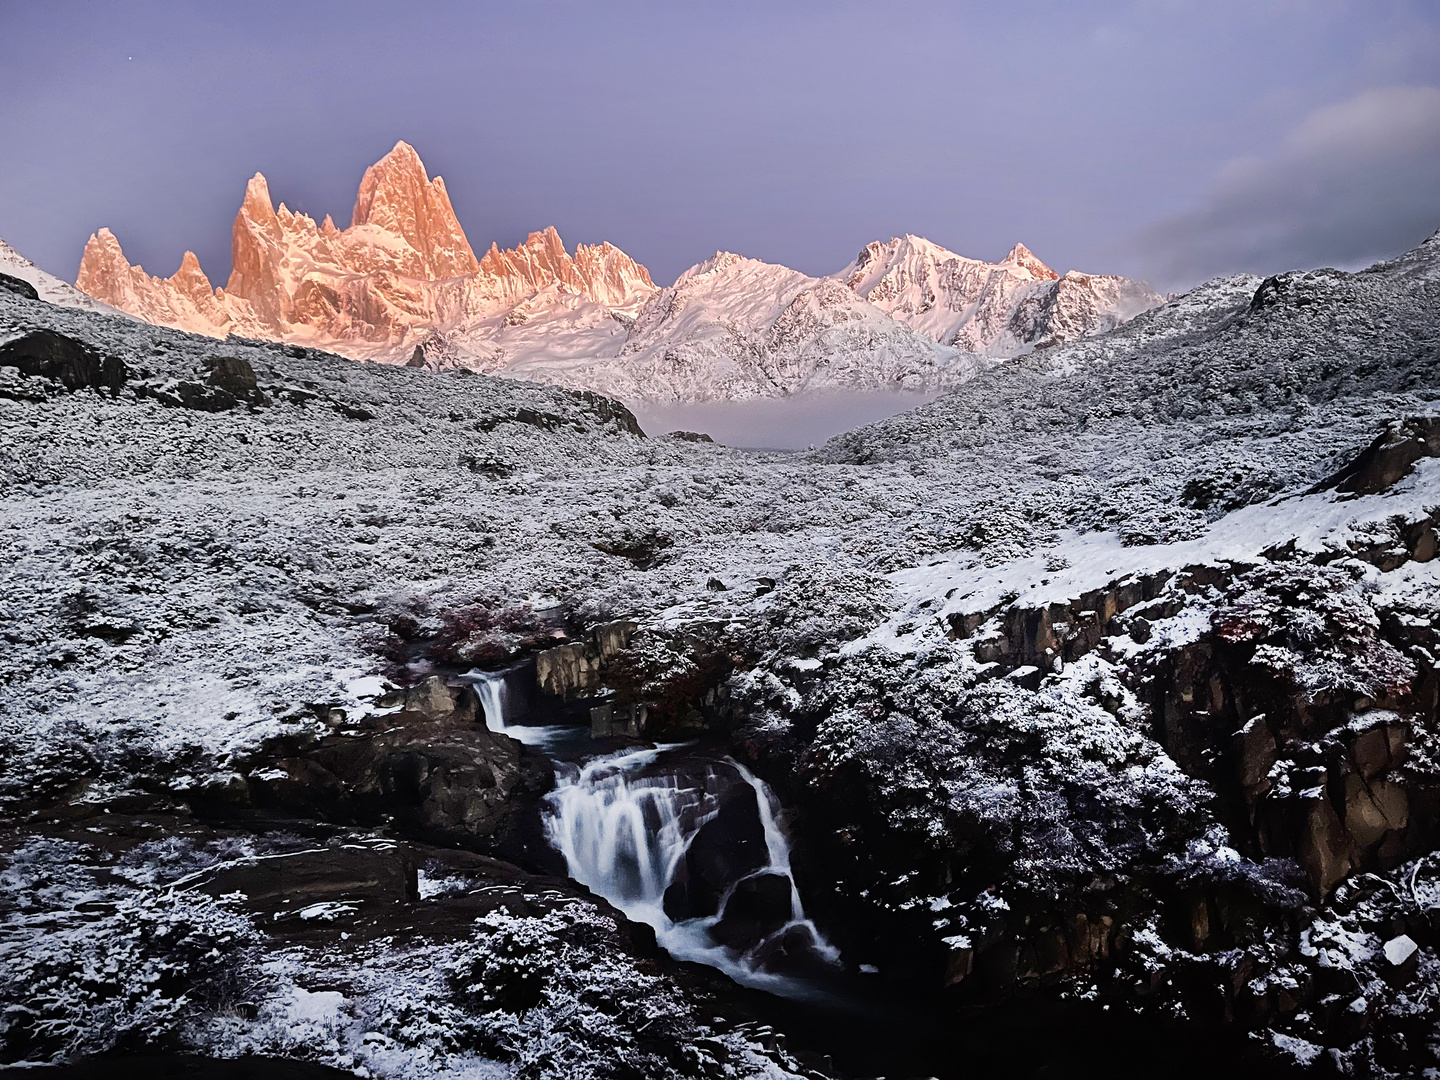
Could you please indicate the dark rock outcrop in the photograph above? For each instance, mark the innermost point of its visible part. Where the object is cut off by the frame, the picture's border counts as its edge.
(54, 356)
(758, 906)
(575, 669)
(232, 374)
(434, 767)
(18, 286)
(377, 872)
(1389, 458)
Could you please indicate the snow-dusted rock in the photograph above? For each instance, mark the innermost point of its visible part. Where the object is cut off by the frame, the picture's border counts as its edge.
(995, 309)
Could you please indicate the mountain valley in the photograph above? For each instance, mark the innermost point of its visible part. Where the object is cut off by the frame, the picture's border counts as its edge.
(1095, 698)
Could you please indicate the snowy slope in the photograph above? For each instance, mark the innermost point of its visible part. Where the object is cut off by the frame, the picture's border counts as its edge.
(179, 584)
(48, 286)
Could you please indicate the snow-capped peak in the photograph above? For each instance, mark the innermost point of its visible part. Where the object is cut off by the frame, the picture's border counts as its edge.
(1022, 258)
(998, 309)
(719, 262)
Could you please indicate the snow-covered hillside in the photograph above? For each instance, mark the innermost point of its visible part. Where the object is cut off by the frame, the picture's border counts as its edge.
(1106, 680)
(402, 285)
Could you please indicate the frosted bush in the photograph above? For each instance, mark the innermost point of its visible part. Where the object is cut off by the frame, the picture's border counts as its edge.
(124, 970)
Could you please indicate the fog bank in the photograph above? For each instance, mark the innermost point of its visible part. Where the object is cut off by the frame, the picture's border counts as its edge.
(791, 423)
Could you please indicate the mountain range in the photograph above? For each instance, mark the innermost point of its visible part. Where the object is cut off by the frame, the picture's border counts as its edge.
(402, 285)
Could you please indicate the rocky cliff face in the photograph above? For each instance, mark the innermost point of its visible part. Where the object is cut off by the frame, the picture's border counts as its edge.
(402, 285)
(402, 276)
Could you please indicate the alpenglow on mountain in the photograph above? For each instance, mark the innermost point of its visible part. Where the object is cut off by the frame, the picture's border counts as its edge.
(402, 285)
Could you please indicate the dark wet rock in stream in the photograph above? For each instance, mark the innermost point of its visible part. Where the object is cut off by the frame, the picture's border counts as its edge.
(757, 906)
(728, 847)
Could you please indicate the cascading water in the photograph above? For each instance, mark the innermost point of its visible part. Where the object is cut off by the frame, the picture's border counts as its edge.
(492, 688)
(623, 833)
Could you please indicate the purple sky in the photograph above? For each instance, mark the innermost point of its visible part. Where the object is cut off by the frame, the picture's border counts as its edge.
(1166, 138)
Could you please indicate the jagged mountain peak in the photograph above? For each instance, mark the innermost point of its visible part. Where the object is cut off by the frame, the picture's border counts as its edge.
(997, 309)
(403, 273)
(402, 270)
(1023, 258)
(400, 173)
(257, 206)
(397, 195)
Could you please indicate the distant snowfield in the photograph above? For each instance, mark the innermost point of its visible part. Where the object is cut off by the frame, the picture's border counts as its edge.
(791, 423)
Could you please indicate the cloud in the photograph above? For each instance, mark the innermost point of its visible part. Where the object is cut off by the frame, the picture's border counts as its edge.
(1353, 183)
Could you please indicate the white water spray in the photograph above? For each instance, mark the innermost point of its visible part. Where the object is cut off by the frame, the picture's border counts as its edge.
(491, 690)
(623, 835)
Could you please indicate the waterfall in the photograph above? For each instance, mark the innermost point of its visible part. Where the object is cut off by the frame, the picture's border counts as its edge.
(491, 690)
(623, 829)
(776, 845)
(623, 835)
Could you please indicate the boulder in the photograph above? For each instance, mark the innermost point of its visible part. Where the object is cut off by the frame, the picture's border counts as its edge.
(758, 907)
(795, 953)
(232, 374)
(70, 362)
(18, 286)
(1326, 849)
(433, 768)
(433, 698)
(727, 848)
(450, 779)
(1391, 456)
(1373, 809)
(1402, 960)
(567, 671)
(1380, 748)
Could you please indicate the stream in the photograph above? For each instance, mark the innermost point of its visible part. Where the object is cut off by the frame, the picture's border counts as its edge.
(690, 842)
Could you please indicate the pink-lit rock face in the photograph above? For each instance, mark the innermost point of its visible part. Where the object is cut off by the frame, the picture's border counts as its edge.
(403, 274)
(185, 300)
